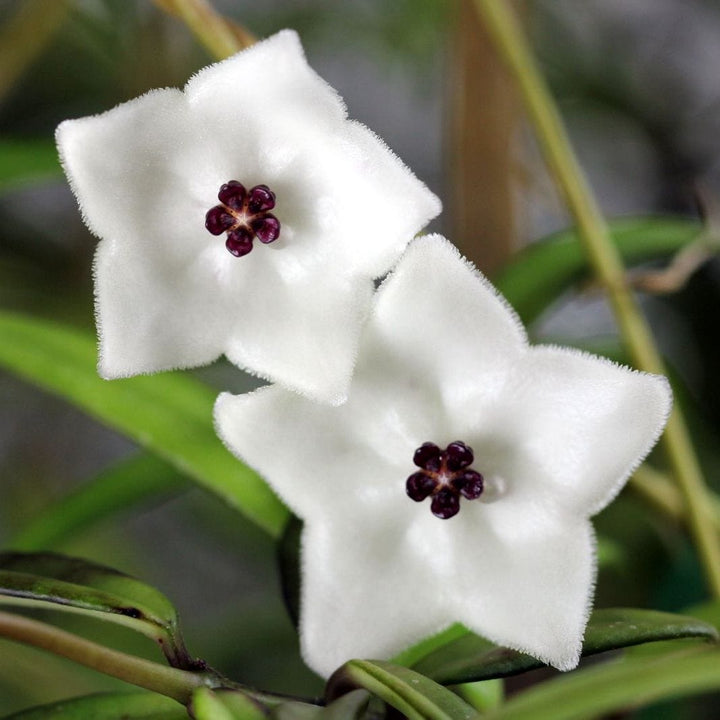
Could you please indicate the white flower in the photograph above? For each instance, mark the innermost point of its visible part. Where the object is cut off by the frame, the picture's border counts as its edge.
(328, 204)
(555, 433)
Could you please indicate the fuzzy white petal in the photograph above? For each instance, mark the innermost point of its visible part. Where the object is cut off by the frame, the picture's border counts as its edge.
(580, 424)
(446, 325)
(555, 433)
(168, 294)
(126, 165)
(540, 595)
(293, 331)
(358, 599)
(270, 77)
(272, 427)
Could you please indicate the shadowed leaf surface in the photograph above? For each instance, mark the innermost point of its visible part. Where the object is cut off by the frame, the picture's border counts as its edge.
(225, 705)
(348, 707)
(470, 658)
(65, 583)
(409, 692)
(616, 686)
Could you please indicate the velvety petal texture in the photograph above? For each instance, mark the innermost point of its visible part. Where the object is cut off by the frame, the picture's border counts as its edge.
(554, 432)
(169, 293)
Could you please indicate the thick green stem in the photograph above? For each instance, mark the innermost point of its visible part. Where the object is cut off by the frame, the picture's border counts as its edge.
(177, 684)
(555, 145)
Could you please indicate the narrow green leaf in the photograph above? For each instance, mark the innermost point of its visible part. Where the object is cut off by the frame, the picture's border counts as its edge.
(351, 706)
(71, 584)
(470, 658)
(708, 612)
(169, 414)
(115, 706)
(26, 161)
(544, 270)
(616, 686)
(412, 656)
(406, 690)
(483, 695)
(122, 486)
(225, 705)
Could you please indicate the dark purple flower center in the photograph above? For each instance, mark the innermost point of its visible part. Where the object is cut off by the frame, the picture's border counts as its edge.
(444, 475)
(243, 215)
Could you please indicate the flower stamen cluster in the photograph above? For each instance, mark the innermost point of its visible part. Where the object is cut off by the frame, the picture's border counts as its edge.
(445, 475)
(243, 216)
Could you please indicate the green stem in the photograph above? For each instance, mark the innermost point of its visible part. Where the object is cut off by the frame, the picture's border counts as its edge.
(218, 35)
(659, 491)
(555, 145)
(172, 682)
(176, 684)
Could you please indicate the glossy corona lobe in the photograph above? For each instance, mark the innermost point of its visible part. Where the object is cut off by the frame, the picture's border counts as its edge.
(168, 293)
(554, 432)
(445, 475)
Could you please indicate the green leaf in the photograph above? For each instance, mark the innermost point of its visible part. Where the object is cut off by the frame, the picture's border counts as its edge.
(415, 653)
(708, 612)
(169, 414)
(71, 584)
(115, 706)
(544, 270)
(483, 695)
(302, 711)
(26, 161)
(470, 658)
(288, 556)
(616, 686)
(225, 705)
(406, 690)
(125, 484)
(231, 704)
(348, 707)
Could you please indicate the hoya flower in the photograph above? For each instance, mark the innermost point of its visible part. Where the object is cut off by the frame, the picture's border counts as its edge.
(245, 215)
(457, 482)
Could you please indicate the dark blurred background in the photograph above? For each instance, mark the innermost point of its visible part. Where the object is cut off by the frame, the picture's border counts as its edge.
(639, 87)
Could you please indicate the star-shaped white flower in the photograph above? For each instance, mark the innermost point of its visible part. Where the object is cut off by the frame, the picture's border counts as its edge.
(554, 432)
(303, 208)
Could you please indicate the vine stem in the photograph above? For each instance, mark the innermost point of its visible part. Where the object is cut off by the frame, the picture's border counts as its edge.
(220, 37)
(176, 684)
(659, 491)
(513, 47)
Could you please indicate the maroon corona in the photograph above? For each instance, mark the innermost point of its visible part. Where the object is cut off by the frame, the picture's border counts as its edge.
(444, 475)
(244, 215)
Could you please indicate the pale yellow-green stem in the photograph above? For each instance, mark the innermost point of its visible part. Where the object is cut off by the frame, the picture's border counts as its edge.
(220, 36)
(555, 145)
(657, 489)
(177, 684)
